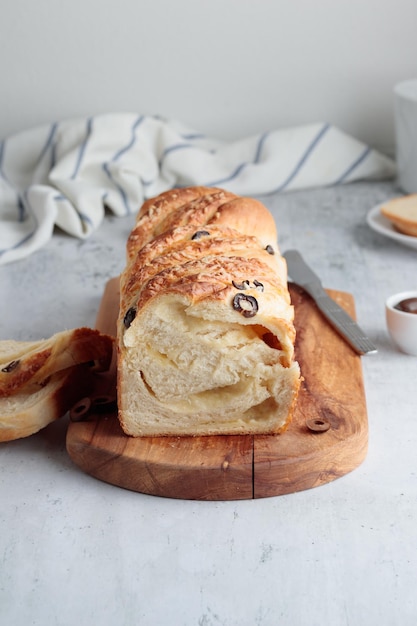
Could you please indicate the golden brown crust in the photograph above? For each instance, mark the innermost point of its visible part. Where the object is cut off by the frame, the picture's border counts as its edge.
(18, 372)
(167, 211)
(177, 249)
(39, 405)
(208, 277)
(23, 363)
(249, 216)
(162, 241)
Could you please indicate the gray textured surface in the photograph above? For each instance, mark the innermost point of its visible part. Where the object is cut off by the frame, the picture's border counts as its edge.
(75, 551)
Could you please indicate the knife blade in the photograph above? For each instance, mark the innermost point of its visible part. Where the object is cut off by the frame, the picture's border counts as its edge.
(304, 276)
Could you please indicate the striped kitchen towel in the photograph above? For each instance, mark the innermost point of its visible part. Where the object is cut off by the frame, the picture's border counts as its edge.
(67, 174)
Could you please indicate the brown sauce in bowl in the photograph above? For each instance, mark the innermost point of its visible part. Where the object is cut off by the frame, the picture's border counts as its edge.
(409, 305)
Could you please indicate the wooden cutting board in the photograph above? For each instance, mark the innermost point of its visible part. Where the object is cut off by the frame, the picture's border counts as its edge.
(327, 437)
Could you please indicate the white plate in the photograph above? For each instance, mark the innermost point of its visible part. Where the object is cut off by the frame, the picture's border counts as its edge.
(381, 225)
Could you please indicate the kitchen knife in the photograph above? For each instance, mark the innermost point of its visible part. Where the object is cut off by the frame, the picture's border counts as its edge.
(304, 276)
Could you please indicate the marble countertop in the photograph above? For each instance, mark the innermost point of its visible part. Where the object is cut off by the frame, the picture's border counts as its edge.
(76, 551)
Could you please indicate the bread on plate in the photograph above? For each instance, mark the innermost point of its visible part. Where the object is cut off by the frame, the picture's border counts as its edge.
(402, 212)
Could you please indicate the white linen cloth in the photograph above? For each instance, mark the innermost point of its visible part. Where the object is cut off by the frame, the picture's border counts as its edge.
(66, 174)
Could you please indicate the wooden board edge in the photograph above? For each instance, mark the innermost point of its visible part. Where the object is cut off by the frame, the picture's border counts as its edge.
(231, 478)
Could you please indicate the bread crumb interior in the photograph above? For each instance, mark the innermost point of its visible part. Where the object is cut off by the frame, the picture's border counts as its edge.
(193, 363)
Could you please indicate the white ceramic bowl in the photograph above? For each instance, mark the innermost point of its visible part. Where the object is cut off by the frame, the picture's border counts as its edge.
(402, 326)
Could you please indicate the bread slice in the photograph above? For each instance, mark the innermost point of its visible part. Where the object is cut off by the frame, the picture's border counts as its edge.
(402, 212)
(36, 405)
(41, 380)
(205, 331)
(30, 362)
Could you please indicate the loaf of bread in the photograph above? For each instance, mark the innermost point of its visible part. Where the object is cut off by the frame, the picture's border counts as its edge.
(41, 380)
(205, 333)
(402, 212)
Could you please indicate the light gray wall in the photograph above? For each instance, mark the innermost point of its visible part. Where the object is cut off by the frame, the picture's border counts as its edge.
(229, 68)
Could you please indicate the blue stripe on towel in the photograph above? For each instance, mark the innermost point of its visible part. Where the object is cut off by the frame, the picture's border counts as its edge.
(354, 165)
(83, 147)
(19, 243)
(174, 148)
(241, 166)
(86, 219)
(191, 136)
(59, 197)
(1, 157)
(26, 237)
(53, 155)
(19, 201)
(48, 143)
(117, 156)
(260, 146)
(132, 141)
(21, 209)
(221, 181)
(119, 188)
(309, 150)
